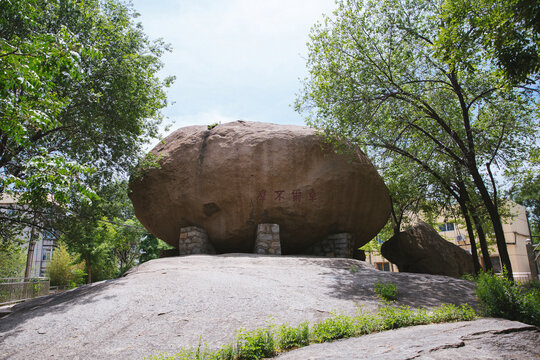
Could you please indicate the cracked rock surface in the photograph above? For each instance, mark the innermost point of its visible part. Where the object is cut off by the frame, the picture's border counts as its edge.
(480, 339)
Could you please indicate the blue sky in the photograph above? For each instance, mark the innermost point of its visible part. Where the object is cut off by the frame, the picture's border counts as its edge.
(233, 59)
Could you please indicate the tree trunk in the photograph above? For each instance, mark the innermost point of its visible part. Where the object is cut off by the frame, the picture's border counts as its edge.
(30, 254)
(464, 200)
(396, 224)
(472, 240)
(488, 267)
(495, 219)
(89, 268)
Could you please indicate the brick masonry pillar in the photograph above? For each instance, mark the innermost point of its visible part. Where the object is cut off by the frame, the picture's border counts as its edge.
(267, 241)
(194, 240)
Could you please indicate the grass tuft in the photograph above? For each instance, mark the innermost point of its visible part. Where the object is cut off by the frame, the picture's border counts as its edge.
(386, 291)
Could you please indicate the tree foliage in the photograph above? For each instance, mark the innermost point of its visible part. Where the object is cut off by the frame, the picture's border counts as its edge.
(527, 193)
(64, 270)
(79, 95)
(150, 247)
(505, 33)
(12, 261)
(104, 233)
(378, 78)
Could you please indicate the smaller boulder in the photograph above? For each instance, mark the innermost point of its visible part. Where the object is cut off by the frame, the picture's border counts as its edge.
(422, 250)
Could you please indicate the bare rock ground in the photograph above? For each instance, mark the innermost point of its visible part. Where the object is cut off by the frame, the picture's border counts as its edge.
(479, 339)
(169, 303)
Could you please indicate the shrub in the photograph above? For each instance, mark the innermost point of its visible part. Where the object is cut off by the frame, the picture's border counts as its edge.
(12, 261)
(386, 291)
(395, 317)
(336, 327)
(502, 298)
(61, 270)
(290, 337)
(256, 344)
(77, 275)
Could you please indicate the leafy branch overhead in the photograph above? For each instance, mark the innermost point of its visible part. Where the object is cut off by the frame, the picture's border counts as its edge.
(79, 96)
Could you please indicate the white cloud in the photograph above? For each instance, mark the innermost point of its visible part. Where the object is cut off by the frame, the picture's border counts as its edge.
(242, 57)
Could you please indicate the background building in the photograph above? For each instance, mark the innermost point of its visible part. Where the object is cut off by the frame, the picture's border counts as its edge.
(518, 240)
(39, 242)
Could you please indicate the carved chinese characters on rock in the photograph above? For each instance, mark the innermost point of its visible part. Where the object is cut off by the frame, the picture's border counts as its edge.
(279, 195)
(295, 195)
(261, 196)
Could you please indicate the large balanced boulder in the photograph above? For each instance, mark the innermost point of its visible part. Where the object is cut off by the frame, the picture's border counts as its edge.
(422, 250)
(232, 177)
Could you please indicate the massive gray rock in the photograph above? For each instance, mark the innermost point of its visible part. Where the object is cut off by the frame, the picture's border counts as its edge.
(166, 304)
(422, 250)
(234, 176)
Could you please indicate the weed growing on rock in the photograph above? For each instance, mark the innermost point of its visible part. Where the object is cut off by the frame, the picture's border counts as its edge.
(336, 327)
(256, 344)
(266, 342)
(386, 291)
(289, 337)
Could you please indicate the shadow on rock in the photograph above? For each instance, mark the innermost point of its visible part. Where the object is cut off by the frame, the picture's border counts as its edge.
(56, 303)
(355, 280)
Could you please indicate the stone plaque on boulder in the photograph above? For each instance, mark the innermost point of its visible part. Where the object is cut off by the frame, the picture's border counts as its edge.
(231, 178)
(422, 250)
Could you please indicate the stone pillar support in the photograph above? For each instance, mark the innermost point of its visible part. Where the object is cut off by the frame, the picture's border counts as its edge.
(343, 245)
(194, 240)
(267, 241)
(336, 245)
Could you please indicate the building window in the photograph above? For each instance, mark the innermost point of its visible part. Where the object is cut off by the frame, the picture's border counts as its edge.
(46, 254)
(383, 266)
(446, 227)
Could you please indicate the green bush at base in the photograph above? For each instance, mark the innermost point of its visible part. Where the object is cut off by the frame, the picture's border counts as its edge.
(502, 298)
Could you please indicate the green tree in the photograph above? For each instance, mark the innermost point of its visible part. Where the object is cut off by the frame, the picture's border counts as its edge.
(377, 78)
(150, 247)
(104, 233)
(125, 238)
(79, 96)
(527, 193)
(417, 195)
(506, 32)
(12, 261)
(63, 270)
(409, 192)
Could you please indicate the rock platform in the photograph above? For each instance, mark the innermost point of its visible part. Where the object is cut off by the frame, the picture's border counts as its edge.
(169, 303)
